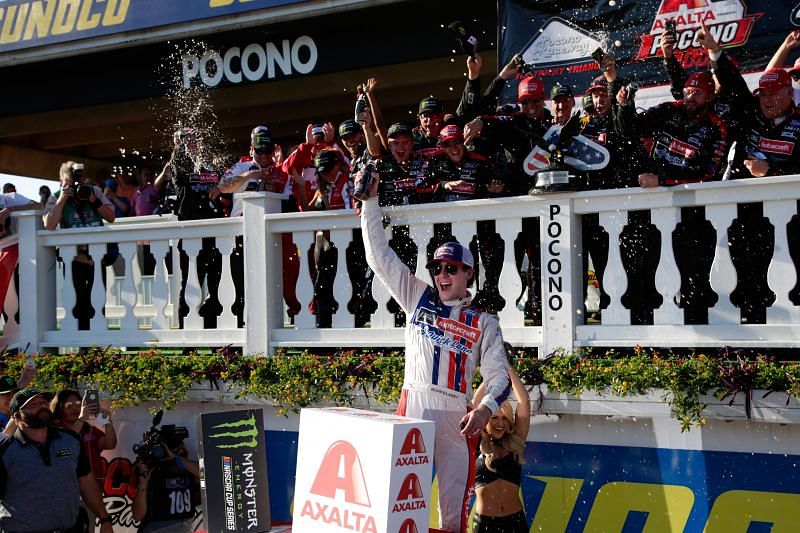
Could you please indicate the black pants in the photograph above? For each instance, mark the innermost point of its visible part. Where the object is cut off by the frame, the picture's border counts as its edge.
(515, 523)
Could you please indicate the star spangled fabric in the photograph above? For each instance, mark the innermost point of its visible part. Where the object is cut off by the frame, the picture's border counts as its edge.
(582, 153)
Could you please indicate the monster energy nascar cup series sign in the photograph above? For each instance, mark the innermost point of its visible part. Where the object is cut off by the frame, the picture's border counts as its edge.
(234, 471)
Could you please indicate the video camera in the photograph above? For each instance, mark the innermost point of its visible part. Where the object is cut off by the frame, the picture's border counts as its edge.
(151, 450)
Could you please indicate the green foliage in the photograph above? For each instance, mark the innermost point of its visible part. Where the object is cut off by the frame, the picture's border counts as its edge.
(302, 379)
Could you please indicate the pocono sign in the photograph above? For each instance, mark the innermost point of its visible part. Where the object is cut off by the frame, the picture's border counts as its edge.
(727, 20)
(362, 471)
(254, 62)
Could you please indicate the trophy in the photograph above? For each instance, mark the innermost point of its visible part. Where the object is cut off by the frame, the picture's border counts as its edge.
(558, 176)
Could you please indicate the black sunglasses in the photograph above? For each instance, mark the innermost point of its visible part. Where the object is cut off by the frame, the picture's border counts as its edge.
(262, 151)
(436, 268)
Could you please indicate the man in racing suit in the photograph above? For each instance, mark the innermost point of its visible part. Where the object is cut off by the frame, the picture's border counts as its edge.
(446, 339)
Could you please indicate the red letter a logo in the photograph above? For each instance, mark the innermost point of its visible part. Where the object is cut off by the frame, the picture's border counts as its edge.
(410, 488)
(408, 526)
(413, 443)
(341, 470)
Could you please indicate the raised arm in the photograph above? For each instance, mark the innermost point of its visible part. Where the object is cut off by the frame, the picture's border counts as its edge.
(780, 56)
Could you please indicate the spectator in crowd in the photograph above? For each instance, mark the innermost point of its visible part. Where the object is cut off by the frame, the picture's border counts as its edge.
(44, 194)
(36, 452)
(778, 60)
(427, 390)
(73, 413)
(300, 164)
(9, 255)
(431, 118)
(7, 389)
(498, 469)
(9, 187)
(562, 102)
(70, 412)
(78, 205)
(146, 196)
(167, 491)
(254, 172)
(361, 305)
(196, 181)
(334, 191)
(122, 206)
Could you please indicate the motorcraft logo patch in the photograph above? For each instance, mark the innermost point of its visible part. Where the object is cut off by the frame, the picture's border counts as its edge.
(445, 332)
(727, 20)
(776, 147)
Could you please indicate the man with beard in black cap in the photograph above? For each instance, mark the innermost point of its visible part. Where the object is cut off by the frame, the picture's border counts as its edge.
(38, 458)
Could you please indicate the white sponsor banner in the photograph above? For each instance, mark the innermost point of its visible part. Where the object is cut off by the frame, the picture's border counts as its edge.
(362, 471)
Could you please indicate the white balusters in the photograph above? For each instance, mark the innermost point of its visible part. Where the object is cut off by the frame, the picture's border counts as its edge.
(160, 288)
(193, 294)
(510, 282)
(421, 235)
(781, 275)
(227, 291)
(128, 300)
(668, 278)
(305, 285)
(723, 274)
(615, 281)
(98, 293)
(341, 283)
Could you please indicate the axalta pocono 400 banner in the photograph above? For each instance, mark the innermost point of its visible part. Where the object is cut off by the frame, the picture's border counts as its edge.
(557, 37)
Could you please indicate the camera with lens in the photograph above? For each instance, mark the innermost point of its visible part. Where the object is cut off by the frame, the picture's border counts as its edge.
(80, 190)
(151, 450)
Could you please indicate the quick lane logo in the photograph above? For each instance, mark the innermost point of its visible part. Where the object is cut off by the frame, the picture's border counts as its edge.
(413, 450)
(248, 436)
(340, 473)
(229, 495)
(410, 497)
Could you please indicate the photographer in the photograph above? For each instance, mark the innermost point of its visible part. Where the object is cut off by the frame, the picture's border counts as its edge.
(168, 489)
(77, 205)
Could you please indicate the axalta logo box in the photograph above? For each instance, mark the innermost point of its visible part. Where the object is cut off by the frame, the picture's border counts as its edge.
(362, 471)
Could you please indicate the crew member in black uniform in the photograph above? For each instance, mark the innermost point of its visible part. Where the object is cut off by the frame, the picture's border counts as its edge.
(687, 143)
(461, 174)
(196, 185)
(519, 134)
(403, 182)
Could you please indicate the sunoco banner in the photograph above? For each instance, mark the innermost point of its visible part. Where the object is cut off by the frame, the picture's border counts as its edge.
(558, 37)
(234, 472)
(29, 23)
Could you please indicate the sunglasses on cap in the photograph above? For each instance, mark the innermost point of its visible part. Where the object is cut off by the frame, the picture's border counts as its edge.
(263, 151)
(436, 269)
(450, 144)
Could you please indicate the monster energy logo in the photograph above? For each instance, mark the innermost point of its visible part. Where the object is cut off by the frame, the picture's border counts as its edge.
(249, 435)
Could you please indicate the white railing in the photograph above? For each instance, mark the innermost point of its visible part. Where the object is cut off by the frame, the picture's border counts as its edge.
(141, 310)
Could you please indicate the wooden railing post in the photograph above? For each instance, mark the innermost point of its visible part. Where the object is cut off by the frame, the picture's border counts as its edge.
(37, 283)
(263, 271)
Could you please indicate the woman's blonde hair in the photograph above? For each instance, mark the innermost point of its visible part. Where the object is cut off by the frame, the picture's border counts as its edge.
(511, 442)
